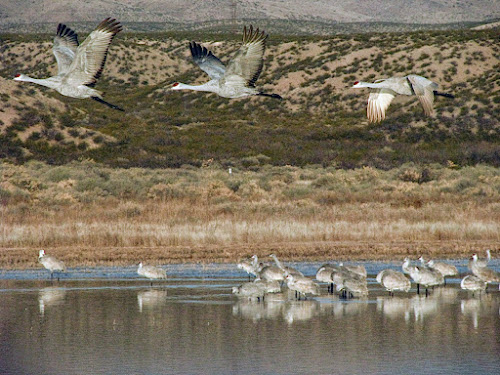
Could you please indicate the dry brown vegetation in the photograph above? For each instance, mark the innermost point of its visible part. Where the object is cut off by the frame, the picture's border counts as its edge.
(88, 214)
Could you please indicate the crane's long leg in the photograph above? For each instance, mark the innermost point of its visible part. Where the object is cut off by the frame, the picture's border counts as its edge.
(97, 99)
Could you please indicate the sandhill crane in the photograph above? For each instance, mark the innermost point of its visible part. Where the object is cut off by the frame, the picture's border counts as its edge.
(302, 285)
(428, 278)
(250, 266)
(484, 273)
(250, 290)
(79, 66)
(269, 286)
(238, 79)
(393, 280)
(444, 268)
(358, 270)
(472, 283)
(151, 272)
(324, 275)
(271, 273)
(51, 263)
(350, 284)
(412, 271)
(484, 262)
(387, 89)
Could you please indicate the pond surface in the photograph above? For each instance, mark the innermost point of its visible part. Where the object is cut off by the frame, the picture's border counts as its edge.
(109, 321)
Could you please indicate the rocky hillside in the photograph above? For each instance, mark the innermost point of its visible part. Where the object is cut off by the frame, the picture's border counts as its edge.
(179, 13)
(320, 121)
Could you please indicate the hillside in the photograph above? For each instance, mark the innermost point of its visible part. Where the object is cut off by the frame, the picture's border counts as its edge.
(29, 16)
(321, 121)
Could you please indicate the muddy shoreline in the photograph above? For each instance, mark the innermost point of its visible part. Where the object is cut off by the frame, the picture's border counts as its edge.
(27, 258)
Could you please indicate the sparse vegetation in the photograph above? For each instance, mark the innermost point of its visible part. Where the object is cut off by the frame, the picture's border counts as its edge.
(304, 213)
(319, 122)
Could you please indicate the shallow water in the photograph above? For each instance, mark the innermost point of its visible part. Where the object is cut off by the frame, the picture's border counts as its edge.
(109, 321)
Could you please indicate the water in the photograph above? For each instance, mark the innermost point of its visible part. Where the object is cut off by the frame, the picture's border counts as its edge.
(108, 321)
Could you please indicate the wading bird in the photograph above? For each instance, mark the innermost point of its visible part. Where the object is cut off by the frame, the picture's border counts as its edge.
(151, 272)
(387, 89)
(359, 270)
(484, 262)
(472, 283)
(393, 280)
(250, 266)
(325, 275)
(79, 66)
(302, 285)
(51, 263)
(484, 273)
(444, 268)
(428, 278)
(422, 276)
(350, 284)
(237, 80)
(250, 290)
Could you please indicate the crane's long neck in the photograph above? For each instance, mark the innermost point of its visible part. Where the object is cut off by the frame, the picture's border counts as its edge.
(47, 82)
(377, 85)
(278, 263)
(209, 86)
(406, 266)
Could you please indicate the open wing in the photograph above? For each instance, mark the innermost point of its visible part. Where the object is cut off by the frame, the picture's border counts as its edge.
(65, 46)
(378, 102)
(91, 54)
(207, 61)
(424, 90)
(248, 61)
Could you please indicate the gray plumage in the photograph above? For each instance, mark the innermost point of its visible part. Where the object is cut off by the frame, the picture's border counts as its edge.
(386, 89)
(79, 66)
(393, 280)
(51, 263)
(151, 272)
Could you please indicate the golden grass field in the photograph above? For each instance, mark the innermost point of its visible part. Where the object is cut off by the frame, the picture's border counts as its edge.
(90, 215)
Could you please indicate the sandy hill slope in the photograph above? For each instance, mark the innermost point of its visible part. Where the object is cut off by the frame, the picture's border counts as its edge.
(321, 120)
(198, 11)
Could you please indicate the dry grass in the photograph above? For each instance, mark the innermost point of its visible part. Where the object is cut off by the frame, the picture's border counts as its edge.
(92, 215)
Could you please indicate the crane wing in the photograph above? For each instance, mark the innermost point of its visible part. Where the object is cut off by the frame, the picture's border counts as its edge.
(91, 54)
(248, 61)
(378, 102)
(207, 61)
(65, 46)
(424, 90)
(425, 96)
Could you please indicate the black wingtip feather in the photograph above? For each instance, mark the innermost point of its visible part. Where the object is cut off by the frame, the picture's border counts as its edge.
(64, 31)
(198, 52)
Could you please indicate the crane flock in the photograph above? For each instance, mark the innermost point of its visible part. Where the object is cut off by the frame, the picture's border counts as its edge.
(349, 280)
(80, 65)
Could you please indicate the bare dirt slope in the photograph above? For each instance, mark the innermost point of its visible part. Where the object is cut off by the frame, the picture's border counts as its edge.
(418, 11)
